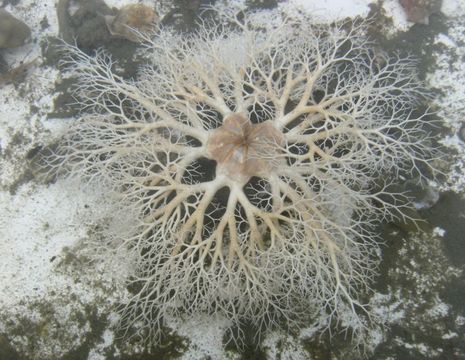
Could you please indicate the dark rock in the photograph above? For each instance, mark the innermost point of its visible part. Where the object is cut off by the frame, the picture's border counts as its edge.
(3, 65)
(7, 352)
(462, 133)
(13, 32)
(87, 25)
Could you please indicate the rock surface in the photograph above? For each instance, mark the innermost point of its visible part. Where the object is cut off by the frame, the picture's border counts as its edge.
(13, 32)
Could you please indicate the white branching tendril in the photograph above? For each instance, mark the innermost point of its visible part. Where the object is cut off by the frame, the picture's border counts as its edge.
(288, 243)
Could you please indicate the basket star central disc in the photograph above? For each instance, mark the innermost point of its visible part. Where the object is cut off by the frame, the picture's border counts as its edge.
(243, 149)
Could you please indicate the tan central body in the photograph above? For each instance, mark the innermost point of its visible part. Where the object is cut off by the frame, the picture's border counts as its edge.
(243, 149)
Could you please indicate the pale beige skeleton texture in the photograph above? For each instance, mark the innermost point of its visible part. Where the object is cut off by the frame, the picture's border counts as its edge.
(301, 121)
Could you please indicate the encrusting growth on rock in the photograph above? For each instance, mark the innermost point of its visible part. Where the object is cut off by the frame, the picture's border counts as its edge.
(132, 22)
(251, 156)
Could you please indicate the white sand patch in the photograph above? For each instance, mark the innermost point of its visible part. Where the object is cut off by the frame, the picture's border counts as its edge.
(334, 9)
(448, 79)
(35, 227)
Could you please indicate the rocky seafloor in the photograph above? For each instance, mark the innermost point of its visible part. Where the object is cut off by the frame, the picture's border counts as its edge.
(56, 304)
